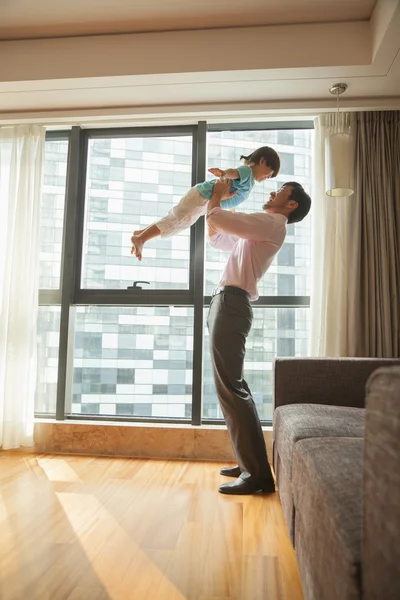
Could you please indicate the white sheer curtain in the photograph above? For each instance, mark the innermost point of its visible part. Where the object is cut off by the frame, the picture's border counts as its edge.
(330, 248)
(21, 168)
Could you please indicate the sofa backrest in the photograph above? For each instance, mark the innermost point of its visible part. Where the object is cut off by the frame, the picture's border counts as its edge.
(381, 547)
(334, 381)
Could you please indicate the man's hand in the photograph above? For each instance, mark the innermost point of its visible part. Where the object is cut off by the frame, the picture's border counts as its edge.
(221, 191)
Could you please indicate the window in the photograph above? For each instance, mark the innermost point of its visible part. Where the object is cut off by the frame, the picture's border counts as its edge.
(133, 361)
(47, 361)
(286, 255)
(50, 257)
(131, 183)
(269, 338)
(52, 213)
(286, 138)
(275, 331)
(106, 351)
(231, 145)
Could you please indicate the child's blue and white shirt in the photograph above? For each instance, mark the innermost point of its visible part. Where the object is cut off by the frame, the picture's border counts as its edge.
(243, 185)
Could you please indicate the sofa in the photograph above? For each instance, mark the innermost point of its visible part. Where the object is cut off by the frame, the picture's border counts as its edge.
(336, 456)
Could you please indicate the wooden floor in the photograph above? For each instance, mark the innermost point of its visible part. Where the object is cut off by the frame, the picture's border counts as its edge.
(84, 528)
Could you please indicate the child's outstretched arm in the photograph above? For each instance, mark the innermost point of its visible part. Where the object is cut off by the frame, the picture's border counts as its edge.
(227, 174)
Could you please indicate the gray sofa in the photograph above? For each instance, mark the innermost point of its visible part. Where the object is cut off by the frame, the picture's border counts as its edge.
(336, 455)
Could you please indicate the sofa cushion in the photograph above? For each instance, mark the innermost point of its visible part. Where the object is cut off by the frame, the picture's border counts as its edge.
(327, 488)
(294, 422)
(284, 484)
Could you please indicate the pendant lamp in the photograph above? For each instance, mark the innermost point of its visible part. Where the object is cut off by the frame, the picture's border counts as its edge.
(338, 155)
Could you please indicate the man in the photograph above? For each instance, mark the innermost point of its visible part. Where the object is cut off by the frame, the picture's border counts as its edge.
(253, 241)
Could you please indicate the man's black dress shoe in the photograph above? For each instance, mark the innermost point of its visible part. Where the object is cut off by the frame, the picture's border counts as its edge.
(230, 471)
(247, 486)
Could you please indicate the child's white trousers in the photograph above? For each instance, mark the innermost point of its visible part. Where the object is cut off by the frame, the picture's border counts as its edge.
(184, 214)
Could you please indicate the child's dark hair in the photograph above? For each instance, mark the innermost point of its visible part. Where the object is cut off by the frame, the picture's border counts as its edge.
(303, 200)
(271, 158)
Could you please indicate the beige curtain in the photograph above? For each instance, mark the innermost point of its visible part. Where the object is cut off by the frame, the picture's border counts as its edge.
(329, 319)
(374, 220)
(21, 170)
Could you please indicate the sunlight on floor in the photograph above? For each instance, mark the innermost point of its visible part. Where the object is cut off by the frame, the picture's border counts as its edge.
(110, 551)
(57, 469)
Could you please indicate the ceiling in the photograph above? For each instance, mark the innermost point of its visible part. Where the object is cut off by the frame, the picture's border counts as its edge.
(264, 55)
(21, 19)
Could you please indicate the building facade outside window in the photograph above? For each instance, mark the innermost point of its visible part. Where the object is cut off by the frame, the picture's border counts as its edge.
(136, 360)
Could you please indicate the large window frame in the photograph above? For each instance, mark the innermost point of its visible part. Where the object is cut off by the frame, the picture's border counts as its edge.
(71, 294)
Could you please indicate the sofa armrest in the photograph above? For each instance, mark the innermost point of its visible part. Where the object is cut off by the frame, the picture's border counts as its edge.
(381, 549)
(334, 381)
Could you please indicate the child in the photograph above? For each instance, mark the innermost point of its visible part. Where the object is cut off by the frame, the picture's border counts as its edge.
(261, 164)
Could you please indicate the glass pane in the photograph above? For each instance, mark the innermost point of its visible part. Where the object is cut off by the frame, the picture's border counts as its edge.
(133, 182)
(289, 273)
(133, 361)
(275, 332)
(52, 213)
(47, 361)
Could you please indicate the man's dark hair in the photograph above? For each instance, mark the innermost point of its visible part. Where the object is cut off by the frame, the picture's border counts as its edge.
(270, 156)
(303, 200)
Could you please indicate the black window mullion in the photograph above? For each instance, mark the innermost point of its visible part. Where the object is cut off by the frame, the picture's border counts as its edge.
(49, 297)
(276, 301)
(262, 126)
(80, 212)
(71, 252)
(131, 132)
(197, 260)
(142, 297)
(53, 136)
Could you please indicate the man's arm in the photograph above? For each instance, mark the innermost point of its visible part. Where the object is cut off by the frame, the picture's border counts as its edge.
(221, 241)
(249, 227)
(221, 191)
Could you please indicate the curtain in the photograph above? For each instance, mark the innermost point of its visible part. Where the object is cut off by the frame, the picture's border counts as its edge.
(21, 167)
(374, 299)
(330, 248)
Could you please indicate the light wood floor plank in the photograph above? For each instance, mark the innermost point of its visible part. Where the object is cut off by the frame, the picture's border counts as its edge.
(103, 528)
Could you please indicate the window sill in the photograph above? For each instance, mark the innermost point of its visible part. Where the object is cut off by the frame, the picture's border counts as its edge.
(133, 439)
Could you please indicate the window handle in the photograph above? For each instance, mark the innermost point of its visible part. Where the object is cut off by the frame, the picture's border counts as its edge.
(135, 285)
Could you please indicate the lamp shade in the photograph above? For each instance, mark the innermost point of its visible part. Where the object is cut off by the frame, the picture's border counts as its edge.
(338, 165)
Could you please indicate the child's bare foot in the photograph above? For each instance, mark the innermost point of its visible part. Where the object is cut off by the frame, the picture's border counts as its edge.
(137, 246)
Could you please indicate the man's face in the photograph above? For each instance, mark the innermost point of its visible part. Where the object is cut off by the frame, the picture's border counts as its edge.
(279, 199)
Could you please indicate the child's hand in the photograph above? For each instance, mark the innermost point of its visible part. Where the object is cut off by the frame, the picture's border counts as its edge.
(217, 172)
